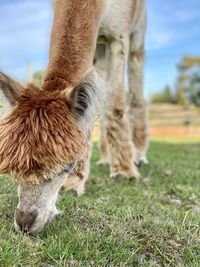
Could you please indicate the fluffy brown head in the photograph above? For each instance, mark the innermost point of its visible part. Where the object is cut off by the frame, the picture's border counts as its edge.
(39, 137)
(46, 132)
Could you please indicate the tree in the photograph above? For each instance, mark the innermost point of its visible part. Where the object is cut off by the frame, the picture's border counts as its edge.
(38, 77)
(188, 82)
(166, 96)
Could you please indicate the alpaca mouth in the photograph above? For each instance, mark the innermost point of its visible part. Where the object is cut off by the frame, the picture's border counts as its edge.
(35, 228)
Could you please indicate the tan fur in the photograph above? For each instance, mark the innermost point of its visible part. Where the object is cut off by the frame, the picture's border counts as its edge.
(76, 181)
(136, 103)
(103, 147)
(140, 135)
(122, 35)
(73, 40)
(72, 183)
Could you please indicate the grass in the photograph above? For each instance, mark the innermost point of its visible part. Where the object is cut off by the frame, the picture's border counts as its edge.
(152, 222)
(177, 140)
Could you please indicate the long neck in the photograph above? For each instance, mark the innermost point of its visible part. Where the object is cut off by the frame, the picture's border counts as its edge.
(73, 40)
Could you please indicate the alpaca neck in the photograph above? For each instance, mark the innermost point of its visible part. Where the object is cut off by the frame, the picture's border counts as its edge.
(73, 40)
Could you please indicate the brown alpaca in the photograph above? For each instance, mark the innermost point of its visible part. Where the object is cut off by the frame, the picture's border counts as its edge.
(46, 134)
(46, 137)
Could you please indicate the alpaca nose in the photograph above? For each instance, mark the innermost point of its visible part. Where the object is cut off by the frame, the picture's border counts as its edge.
(25, 220)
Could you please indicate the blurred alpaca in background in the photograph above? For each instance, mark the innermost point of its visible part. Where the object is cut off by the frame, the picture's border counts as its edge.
(124, 138)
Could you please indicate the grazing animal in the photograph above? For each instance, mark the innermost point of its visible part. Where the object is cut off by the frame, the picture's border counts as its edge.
(124, 131)
(46, 137)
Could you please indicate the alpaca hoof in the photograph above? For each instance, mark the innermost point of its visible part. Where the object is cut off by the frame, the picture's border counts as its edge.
(117, 177)
(75, 193)
(62, 190)
(122, 177)
(78, 193)
(135, 176)
(138, 163)
(141, 162)
(102, 162)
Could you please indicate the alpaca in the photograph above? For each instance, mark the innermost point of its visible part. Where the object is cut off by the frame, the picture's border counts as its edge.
(46, 137)
(121, 42)
(46, 134)
(124, 131)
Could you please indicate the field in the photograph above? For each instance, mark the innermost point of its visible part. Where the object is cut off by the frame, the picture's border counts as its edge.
(151, 222)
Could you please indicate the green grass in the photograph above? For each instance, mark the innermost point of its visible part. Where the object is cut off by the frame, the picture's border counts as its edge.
(177, 139)
(152, 222)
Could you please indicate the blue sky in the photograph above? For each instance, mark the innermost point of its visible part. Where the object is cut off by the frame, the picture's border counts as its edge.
(173, 30)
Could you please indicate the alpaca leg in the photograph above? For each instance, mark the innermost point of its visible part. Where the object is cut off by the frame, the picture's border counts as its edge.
(103, 146)
(77, 180)
(120, 146)
(101, 60)
(136, 103)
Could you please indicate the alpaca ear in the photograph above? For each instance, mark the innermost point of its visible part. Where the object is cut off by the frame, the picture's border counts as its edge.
(10, 88)
(87, 97)
(80, 101)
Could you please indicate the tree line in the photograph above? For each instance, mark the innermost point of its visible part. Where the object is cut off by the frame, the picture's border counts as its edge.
(187, 86)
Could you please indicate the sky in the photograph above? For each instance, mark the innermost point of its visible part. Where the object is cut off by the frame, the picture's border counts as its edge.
(173, 31)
